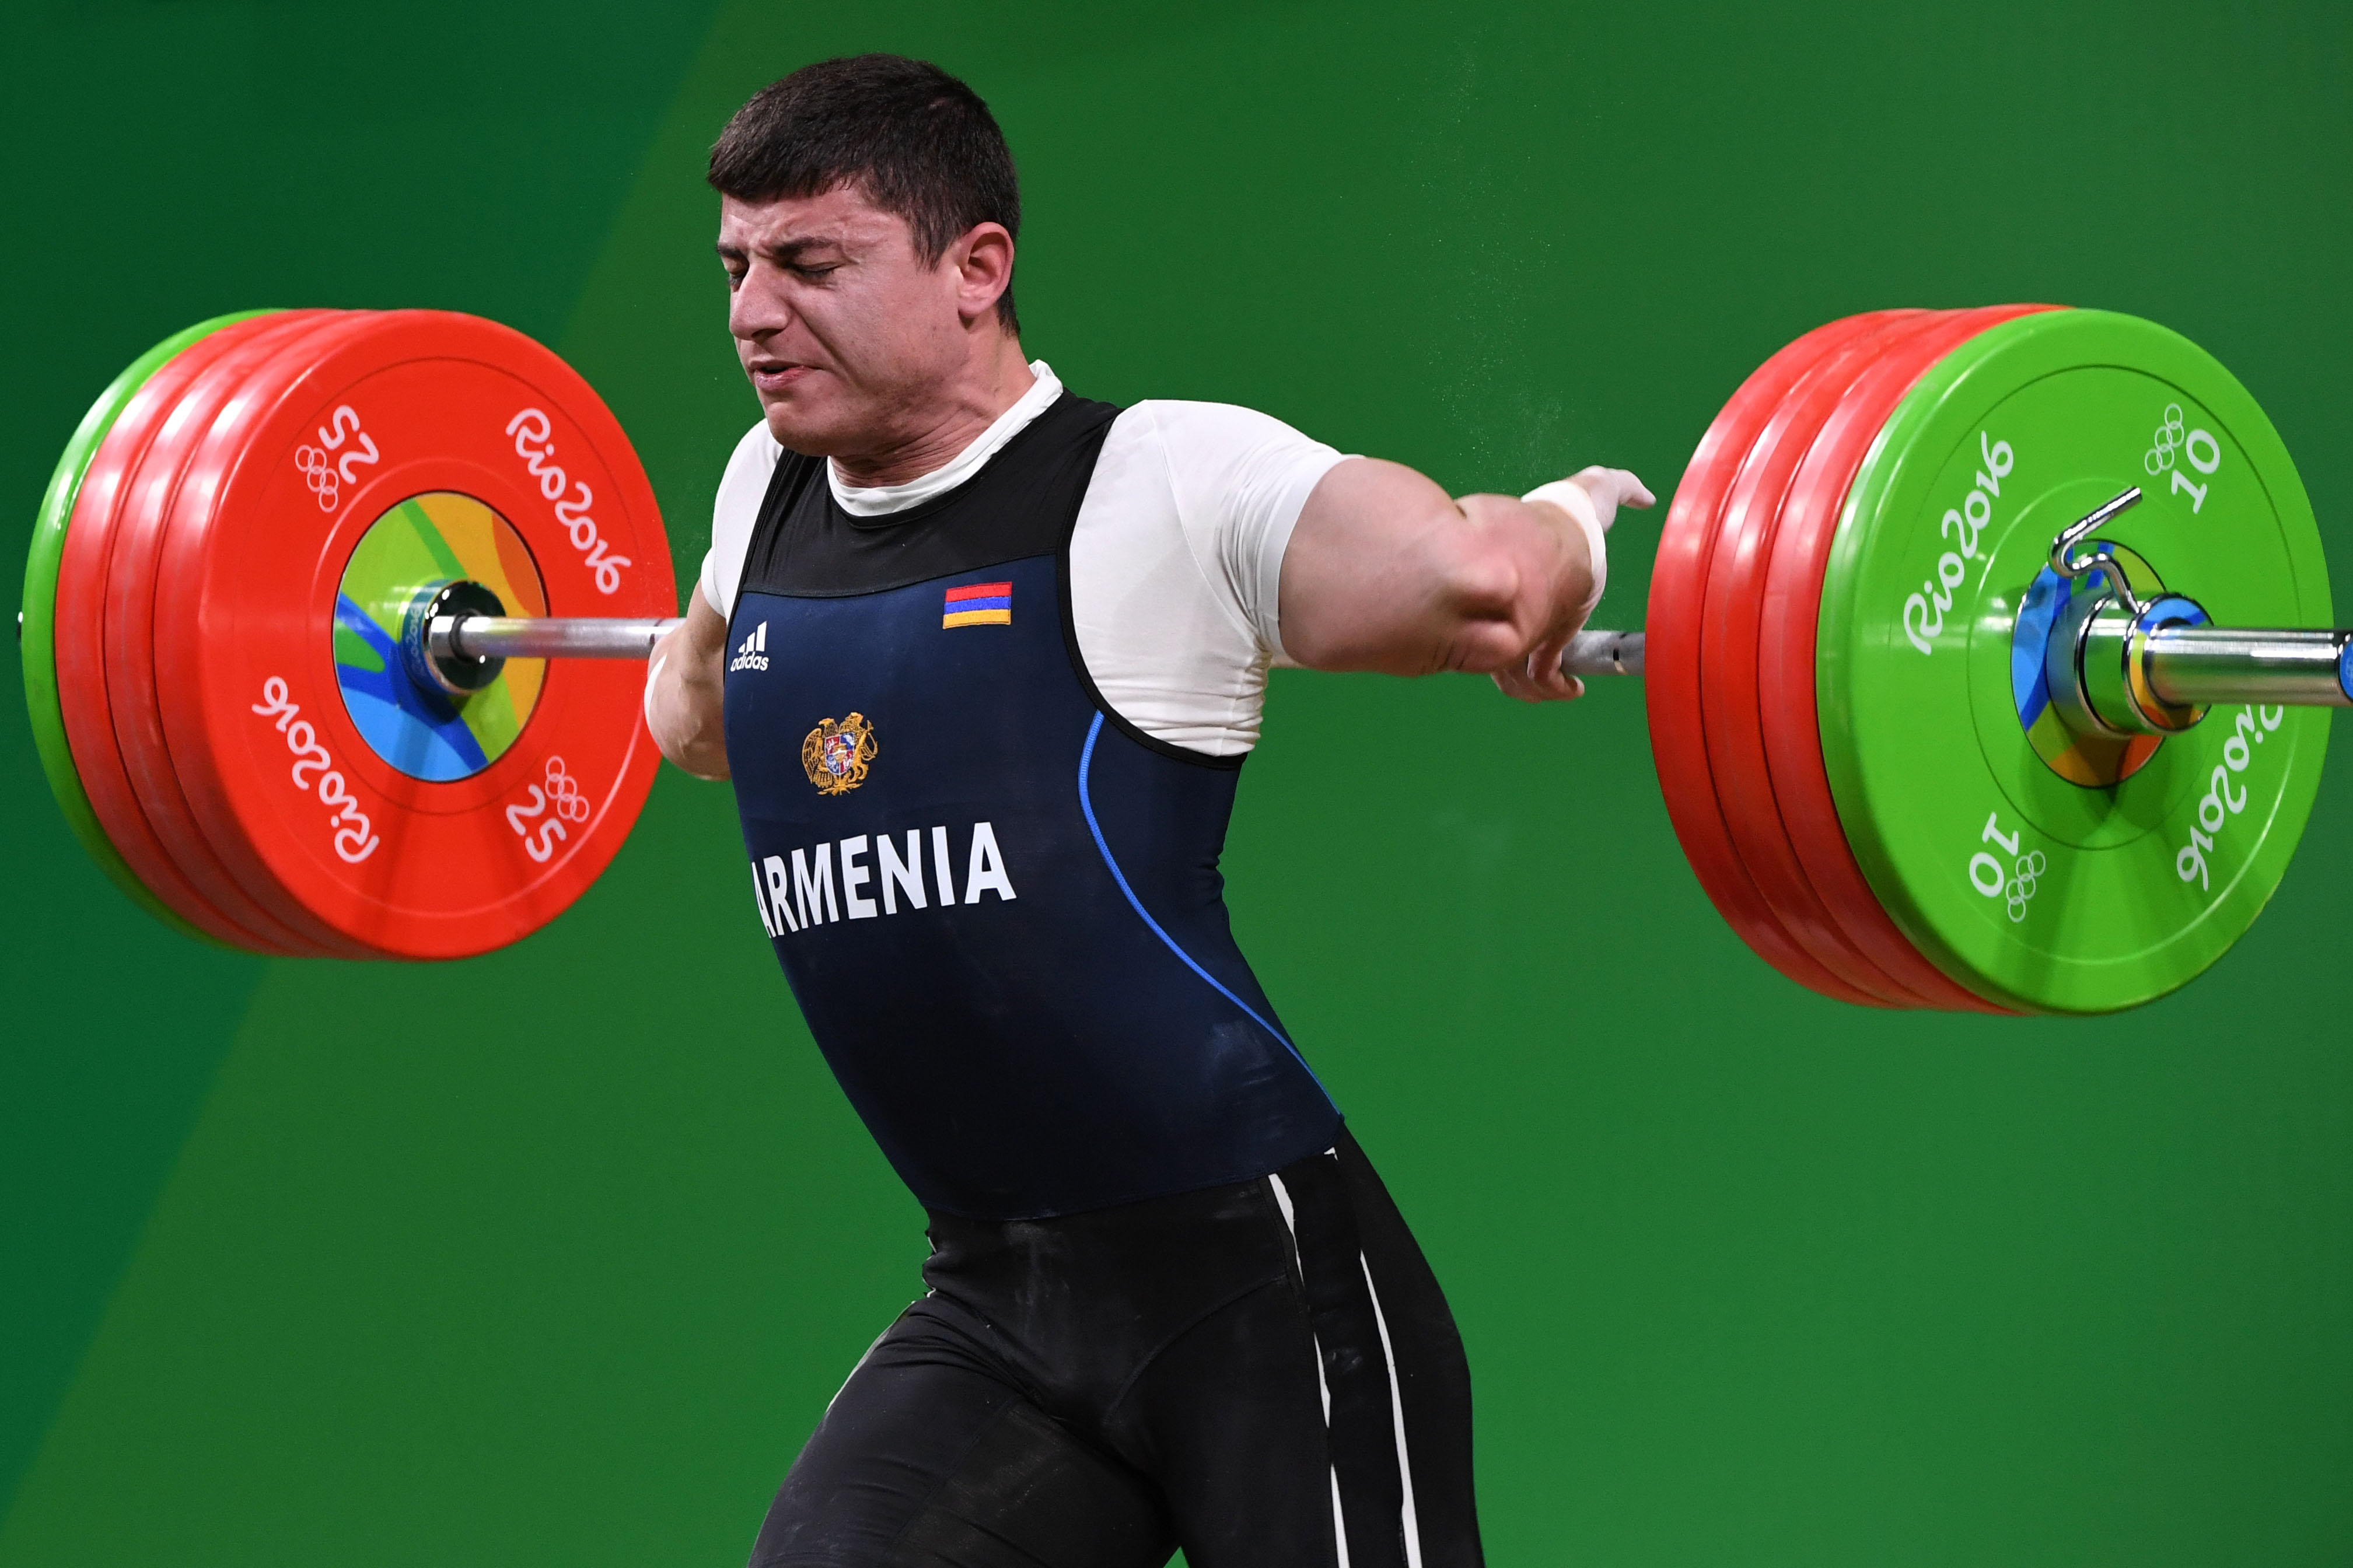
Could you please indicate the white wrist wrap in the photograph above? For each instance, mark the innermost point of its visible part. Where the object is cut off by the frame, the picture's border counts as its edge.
(1570, 496)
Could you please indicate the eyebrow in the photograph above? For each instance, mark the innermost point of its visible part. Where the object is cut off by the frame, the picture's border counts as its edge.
(786, 252)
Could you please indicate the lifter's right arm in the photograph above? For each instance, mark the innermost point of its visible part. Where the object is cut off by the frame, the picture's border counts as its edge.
(684, 691)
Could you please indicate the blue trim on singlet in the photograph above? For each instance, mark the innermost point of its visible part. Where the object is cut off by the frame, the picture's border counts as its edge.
(1087, 809)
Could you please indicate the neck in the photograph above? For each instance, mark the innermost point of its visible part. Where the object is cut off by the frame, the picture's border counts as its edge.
(992, 380)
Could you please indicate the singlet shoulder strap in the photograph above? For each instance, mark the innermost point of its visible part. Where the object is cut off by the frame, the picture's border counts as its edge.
(793, 474)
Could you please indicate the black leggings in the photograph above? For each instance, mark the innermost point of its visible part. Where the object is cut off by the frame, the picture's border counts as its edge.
(1097, 1390)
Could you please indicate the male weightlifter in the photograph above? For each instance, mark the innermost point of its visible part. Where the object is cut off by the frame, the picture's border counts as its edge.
(984, 659)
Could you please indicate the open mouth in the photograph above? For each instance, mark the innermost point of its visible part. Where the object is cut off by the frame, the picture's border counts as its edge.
(775, 376)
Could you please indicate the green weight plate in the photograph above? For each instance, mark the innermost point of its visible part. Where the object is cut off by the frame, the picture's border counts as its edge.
(2038, 892)
(35, 626)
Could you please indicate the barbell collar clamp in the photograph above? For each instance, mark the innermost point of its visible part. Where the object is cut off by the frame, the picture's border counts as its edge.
(436, 672)
(2063, 549)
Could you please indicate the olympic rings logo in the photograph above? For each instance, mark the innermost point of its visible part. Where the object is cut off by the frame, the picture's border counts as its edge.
(2166, 442)
(563, 792)
(318, 469)
(2024, 875)
(327, 466)
(559, 801)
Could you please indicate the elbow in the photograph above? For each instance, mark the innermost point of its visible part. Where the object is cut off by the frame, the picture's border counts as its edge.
(1483, 594)
(696, 748)
(705, 762)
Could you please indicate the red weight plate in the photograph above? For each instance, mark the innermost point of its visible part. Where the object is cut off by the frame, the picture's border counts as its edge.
(1730, 720)
(80, 646)
(132, 596)
(1670, 677)
(1789, 628)
(215, 402)
(281, 776)
(85, 647)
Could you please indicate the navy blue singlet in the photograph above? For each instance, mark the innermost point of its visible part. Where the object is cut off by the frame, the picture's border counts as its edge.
(997, 901)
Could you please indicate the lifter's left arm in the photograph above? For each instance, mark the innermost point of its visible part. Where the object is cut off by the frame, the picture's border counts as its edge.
(1386, 572)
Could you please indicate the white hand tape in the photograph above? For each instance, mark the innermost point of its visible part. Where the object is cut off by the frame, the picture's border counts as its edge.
(1570, 496)
(652, 676)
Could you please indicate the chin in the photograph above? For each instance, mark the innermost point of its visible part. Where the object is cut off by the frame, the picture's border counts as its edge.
(801, 429)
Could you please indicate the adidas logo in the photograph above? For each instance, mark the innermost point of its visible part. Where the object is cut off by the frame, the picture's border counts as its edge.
(754, 654)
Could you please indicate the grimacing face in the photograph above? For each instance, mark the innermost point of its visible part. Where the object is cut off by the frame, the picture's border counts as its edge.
(845, 331)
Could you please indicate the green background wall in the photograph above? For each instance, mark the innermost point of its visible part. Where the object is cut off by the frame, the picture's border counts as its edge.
(556, 1255)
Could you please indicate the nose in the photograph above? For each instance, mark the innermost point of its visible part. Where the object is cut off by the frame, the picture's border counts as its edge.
(758, 308)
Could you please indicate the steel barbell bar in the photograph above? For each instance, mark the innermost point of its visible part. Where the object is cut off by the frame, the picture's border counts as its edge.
(2186, 665)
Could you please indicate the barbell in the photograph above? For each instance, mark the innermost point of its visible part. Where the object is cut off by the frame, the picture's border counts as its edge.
(1940, 613)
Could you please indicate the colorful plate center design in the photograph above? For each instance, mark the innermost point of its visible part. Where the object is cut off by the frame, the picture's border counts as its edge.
(2093, 761)
(422, 542)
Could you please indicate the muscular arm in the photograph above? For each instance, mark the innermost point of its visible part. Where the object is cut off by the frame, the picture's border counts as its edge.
(1386, 572)
(683, 691)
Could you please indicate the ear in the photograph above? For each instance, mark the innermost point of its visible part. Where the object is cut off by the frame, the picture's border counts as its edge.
(983, 263)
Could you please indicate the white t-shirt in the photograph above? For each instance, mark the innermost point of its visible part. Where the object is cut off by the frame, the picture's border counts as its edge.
(1175, 563)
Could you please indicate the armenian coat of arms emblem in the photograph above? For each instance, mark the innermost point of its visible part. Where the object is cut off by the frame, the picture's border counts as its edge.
(836, 755)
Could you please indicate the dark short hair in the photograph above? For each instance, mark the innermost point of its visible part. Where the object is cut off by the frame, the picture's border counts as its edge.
(919, 143)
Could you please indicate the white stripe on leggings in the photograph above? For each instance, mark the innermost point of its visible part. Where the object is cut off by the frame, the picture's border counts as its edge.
(1412, 1531)
(1411, 1526)
(1291, 1224)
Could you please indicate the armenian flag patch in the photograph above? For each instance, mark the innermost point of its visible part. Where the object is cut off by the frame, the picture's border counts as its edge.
(977, 605)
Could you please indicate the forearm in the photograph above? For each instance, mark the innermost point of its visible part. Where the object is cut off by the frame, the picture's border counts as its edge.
(1386, 573)
(685, 692)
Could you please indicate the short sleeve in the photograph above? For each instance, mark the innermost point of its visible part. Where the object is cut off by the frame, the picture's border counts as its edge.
(734, 514)
(1241, 479)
